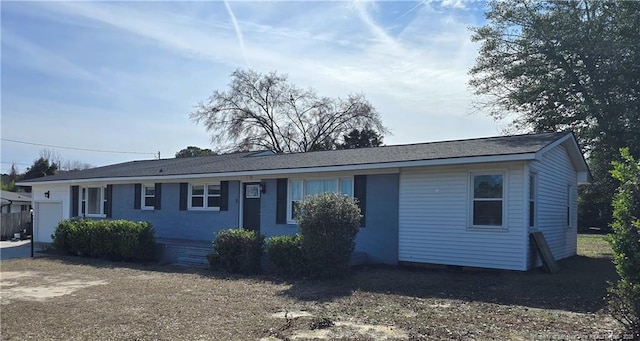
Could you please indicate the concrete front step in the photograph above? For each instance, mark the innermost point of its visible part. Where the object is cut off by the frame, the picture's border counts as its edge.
(200, 262)
(185, 252)
(191, 256)
(188, 253)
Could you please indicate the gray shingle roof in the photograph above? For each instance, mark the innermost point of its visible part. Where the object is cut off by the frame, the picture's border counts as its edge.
(13, 196)
(252, 161)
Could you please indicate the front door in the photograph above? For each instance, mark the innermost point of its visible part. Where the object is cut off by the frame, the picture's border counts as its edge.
(251, 206)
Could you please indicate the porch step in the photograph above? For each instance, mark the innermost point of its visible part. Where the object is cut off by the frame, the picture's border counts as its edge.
(195, 255)
(187, 255)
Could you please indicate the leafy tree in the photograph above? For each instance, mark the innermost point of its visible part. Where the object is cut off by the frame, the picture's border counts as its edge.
(64, 166)
(624, 296)
(53, 156)
(192, 151)
(40, 168)
(361, 139)
(9, 180)
(557, 65)
(266, 111)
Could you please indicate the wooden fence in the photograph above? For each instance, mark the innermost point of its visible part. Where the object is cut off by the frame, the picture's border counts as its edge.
(14, 223)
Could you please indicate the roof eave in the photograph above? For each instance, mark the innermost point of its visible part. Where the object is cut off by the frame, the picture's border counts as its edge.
(300, 170)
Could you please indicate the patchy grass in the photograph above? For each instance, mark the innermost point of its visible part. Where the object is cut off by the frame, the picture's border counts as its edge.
(80, 299)
(594, 245)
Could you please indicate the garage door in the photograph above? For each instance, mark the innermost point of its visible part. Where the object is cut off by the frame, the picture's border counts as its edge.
(48, 215)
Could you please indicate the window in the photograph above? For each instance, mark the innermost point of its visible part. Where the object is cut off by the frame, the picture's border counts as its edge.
(148, 197)
(204, 197)
(92, 201)
(301, 188)
(532, 199)
(487, 200)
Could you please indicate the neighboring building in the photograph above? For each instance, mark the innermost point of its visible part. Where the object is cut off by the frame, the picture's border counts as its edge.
(467, 203)
(11, 202)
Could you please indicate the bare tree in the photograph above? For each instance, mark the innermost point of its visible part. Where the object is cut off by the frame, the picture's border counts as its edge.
(267, 112)
(51, 155)
(70, 165)
(55, 158)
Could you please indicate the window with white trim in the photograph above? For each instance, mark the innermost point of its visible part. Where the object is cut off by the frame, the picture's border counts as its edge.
(532, 199)
(299, 189)
(204, 196)
(148, 197)
(92, 201)
(487, 199)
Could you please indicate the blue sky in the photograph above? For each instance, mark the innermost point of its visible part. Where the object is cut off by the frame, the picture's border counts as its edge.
(124, 76)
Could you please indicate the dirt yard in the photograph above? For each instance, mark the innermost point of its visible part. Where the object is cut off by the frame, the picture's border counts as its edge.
(66, 298)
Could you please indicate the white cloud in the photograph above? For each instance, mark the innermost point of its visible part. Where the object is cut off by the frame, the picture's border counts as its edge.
(412, 66)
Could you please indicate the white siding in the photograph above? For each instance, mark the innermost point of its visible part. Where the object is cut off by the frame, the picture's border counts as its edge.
(13, 207)
(57, 194)
(555, 174)
(433, 220)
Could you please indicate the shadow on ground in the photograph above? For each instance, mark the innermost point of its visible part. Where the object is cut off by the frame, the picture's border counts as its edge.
(580, 286)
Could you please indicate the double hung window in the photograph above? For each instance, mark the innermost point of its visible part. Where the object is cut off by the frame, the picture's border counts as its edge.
(92, 201)
(487, 200)
(299, 189)
(204, 197)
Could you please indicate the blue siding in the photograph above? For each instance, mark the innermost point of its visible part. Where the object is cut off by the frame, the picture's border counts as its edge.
(169, 221)
(379, 239)
(268, 226)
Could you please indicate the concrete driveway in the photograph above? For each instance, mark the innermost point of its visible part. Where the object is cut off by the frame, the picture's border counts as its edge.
(12, 250)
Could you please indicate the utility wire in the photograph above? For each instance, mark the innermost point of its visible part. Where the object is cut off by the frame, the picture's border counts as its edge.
(17, 163)
(74, 148)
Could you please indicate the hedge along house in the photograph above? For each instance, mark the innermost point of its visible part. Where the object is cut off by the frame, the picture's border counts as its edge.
(466, 202)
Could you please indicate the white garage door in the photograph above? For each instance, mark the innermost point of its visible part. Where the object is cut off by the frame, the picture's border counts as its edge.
(48, 215)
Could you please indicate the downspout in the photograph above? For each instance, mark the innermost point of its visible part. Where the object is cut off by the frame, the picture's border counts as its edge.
(9, 204)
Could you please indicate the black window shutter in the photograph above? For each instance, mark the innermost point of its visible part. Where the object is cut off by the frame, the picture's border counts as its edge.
(184, 191)
(360, 193)
(108, 205)
(224, 195)
(75, 200)
(137, 193)
(158, 199)
(281, 201)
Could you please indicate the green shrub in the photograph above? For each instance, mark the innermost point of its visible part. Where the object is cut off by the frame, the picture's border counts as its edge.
(109, 239)
(328, 225)
(285, 255)
(237, 250)
(624, 296)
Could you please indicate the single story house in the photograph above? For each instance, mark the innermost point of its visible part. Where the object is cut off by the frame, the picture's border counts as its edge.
(11, 202)
(464, 203)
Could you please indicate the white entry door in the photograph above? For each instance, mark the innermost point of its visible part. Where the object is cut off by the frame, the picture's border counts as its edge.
(47, 216)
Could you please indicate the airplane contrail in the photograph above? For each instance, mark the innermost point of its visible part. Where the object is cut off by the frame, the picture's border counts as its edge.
(238, 33)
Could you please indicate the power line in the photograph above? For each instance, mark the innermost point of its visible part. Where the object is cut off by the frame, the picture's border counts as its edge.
(16, 163)
(75, 148)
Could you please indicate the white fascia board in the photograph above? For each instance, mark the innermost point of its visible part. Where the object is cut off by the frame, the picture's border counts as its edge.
(235, 175)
